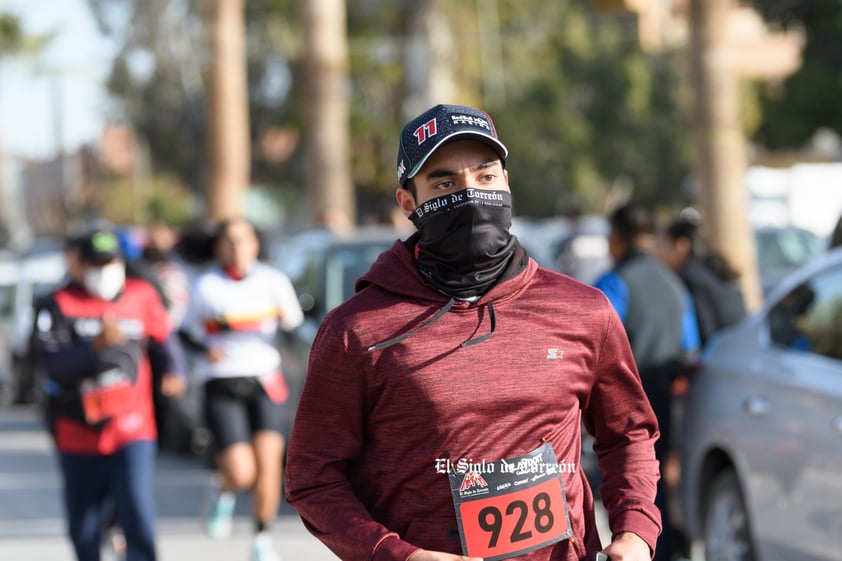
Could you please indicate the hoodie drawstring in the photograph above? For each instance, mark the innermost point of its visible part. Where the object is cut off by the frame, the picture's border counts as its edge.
(482, 338)
(399, 338)
(384, 344)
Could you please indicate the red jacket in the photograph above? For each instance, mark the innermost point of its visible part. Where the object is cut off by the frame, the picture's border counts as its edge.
(372, 423)
(62, 343)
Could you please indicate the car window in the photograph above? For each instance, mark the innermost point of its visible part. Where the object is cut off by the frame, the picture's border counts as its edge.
(344, 266)
(787, 247)
(307, 281)
(809, 317)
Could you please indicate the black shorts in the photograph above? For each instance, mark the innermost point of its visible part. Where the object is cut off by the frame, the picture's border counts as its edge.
(236, 408)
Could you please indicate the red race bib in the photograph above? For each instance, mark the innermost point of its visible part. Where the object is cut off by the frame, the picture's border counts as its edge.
(101, 403)
(509, 507)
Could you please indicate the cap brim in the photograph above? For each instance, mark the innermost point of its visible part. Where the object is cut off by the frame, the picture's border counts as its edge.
(498, 147)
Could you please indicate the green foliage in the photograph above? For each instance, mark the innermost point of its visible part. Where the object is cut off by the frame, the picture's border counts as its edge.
(809, 99)
(583, 107)
(15, 41)
(160, 70)
(586, 108)
(138, 202)
(11, 33)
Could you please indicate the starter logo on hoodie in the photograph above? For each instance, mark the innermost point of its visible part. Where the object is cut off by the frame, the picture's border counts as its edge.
(555, 354)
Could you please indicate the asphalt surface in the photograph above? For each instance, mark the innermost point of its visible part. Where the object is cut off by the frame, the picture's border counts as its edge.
(31, 516)
(32, 523)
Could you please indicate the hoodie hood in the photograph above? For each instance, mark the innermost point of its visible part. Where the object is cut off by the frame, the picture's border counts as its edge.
(396, 271)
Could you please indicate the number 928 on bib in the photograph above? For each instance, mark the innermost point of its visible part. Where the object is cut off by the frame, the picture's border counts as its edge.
(511, 506)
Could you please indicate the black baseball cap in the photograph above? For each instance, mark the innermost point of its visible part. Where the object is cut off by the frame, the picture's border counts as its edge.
(421, 136)
(99, 247)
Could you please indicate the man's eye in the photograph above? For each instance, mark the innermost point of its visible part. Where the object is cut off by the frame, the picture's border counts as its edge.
(443, 185)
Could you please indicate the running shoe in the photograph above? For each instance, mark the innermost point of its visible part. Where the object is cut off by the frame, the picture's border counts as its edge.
(115, 544)
(261, 548)
(220, 515)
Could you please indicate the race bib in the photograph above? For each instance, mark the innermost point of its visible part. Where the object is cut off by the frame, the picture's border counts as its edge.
(101, 403)
(510, 507)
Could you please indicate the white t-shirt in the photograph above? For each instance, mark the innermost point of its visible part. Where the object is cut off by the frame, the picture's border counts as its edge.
(241, 318)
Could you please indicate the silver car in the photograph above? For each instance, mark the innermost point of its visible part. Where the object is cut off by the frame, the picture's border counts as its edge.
(761, 444)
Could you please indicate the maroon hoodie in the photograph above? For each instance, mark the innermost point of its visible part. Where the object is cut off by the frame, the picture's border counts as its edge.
(383, 404)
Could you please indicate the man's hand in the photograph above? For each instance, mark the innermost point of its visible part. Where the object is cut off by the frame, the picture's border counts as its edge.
(110, 336)
(426, 555)
(628, 546)
(173, 385)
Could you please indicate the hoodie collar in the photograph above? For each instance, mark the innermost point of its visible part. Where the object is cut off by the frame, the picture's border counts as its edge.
(396, 271)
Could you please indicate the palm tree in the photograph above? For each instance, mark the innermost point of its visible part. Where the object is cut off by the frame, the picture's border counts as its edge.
(326, 82)
(228, 112)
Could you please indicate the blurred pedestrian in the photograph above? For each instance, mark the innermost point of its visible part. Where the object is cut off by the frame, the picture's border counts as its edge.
(657, 313)
(178, 419)
(459, 351)
(161, 260)
(234, 313)
(149, 255)
(93, 338)
(712, 282)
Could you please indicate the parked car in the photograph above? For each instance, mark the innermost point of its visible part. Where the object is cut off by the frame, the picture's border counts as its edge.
(762, 433)
(781, 250)
(37, 275)
(578, 248)
(540, 237)
(583, 252)
(8, 285)
(323, 267)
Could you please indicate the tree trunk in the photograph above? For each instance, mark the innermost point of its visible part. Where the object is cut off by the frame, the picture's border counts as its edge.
(721, 146)
(427, 59)
(329, 176)
(228, 117)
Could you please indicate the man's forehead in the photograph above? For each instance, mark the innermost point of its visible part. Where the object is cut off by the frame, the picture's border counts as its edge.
(445, 170)
(459, 155)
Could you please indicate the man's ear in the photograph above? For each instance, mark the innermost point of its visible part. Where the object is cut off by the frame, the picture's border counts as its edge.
(405, 200)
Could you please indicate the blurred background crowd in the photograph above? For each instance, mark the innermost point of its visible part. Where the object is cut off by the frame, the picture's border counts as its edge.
(161, 117)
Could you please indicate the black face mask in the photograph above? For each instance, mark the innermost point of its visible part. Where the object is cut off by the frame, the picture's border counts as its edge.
(465, 242)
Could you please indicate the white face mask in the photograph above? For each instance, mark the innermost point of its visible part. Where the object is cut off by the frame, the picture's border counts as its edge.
(105, 282)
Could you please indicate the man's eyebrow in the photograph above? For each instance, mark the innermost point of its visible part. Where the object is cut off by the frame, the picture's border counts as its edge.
(444, 172)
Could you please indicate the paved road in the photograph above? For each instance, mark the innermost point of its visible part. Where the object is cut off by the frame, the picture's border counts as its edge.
(31, 521)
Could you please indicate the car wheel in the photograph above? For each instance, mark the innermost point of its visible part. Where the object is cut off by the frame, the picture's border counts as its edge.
(726, 524)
